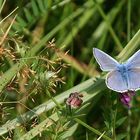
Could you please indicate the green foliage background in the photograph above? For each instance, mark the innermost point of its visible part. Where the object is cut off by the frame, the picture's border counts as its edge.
(47, 54)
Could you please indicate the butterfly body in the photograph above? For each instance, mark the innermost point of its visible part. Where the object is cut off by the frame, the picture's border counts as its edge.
(122, 77)
(124, 72)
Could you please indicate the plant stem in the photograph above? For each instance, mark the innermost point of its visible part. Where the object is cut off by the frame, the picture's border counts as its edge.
(57, 104)
(128, 127)
(128, 20)
(117, 41)
(137, 132)
(128, 39)
(92, 129)
(114, 123)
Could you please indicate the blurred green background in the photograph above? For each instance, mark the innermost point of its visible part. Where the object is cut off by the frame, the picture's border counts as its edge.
(46, 52)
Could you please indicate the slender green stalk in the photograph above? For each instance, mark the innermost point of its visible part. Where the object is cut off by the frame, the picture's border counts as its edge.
(87, 136)
(118, 43)
(137, 132)
(101, 30)
(53, 99)
(92, 129)
(114, 124)
(71, 68)
(128, 39)
(128, 20)
(129, 126)
(1, 1)
(82, 21)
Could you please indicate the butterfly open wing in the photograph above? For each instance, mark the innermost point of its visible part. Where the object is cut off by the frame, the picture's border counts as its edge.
(116, 82)
(106, 62)
(134, 60)
(134, 79)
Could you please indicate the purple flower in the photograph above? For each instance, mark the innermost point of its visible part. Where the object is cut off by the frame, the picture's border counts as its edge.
(74, 100)
(126, 97)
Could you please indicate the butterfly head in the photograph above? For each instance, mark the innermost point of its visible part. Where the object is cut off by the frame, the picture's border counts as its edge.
(122, 68)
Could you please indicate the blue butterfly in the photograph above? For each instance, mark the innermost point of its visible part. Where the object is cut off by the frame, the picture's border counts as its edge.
(122, 77)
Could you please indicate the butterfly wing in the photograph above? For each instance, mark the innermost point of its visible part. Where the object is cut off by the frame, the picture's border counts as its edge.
(134, 79)
(116, 82)
(134, 60)
(106, 62)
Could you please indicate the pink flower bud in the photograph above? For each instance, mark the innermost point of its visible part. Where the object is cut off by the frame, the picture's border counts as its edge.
(126, 97)
(74, 100)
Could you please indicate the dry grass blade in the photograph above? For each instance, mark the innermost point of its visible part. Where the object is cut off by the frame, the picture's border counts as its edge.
(80, 66)
(101, 136)
(8, 15)
(2, 6)
(6, 33)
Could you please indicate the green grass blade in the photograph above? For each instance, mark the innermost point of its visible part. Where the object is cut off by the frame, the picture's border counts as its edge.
(8, 75)
(46, 38)
(82, 21)
(92, 129)
(41, 6)
(102, 27)
(40, 127)
(130, 47)
(34, 8)
(2, 3)
(128, 20)
(137, 132)
(21, 21)
(28, 15)
(60, 4)
(118, 43)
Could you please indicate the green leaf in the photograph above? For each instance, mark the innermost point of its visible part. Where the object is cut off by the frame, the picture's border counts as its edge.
(21, 21)
(28, 15)
(120, 121)
(35, 8)
(41, 6)
(121, 136)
